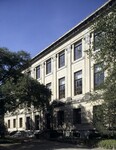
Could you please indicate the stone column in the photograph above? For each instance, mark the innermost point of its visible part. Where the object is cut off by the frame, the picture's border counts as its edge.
(54, 83)
(69, 72)
(43, 73)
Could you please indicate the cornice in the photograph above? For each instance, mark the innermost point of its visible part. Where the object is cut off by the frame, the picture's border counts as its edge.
(75, 30)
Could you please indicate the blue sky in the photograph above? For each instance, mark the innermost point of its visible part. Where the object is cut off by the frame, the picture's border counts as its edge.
(32, 25)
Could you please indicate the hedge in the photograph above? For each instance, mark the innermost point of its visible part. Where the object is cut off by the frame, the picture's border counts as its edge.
(107, 144)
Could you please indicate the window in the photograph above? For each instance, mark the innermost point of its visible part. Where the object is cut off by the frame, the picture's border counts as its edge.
(97, 40)
(8, 123)
(28, 123)
(97, 114)
(20, 122)
(14, 123)
(61, 88)
(48, 85)
(77, 50)
(37, 122)
(98, 75)
(78, 82)
(60, 117)
(48, 66)
(61, 59)
(38, 72)
(77, 116)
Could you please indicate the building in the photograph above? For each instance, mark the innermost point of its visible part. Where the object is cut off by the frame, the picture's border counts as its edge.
(66, 69)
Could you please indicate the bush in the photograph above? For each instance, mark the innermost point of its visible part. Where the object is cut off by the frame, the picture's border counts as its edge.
(107, 144)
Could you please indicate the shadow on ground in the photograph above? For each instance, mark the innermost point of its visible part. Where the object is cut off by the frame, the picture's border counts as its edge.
(42, 145)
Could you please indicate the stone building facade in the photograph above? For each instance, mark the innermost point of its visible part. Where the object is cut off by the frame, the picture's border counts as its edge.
(67, 70)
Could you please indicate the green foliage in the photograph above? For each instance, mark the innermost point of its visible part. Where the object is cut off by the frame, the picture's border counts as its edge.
(12, 64)
(26, 91)
(107, 144)
(17, 89)
(105, 29)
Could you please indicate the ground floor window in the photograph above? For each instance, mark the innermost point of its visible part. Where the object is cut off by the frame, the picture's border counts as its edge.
(14, 123)
(76, 116)
(8, 123)
(20, 122)
(60, 117)
(37, 122)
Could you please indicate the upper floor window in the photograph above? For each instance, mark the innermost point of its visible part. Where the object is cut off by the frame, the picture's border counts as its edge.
(78, 82)
(98, 37)
(78, 50)
(61, 59)
(98, 74)
(48, 85)
(48, 66)
(61, 88)
(38, 72)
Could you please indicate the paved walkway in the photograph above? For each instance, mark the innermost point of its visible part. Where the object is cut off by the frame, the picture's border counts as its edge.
(43, 145)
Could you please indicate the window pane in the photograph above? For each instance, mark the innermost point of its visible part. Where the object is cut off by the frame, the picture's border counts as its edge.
(48, 85)
(78, 83)
(62, 88)
(20, 122)
(61, 59)
(77, 51)
(48, 66)
(8, 123)
(77, 116)
(14, 123)
(97, 40)
(98, 75)
(60, 117)
(37, 72)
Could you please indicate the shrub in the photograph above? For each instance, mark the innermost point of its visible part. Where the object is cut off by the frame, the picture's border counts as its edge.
(107, 144)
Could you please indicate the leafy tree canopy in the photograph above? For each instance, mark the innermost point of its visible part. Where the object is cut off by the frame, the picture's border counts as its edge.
(105, 31)
(12, 64)
(16, 88)
(26, 91)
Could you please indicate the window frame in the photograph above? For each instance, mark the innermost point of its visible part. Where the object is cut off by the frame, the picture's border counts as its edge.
(38, 72)
(78, 81)
(97, 37)
(60, 117)
(61, 59)
(14, 123)
(97, 75)
(77, 119)
(9, 123)
(48, 66)
(77, 54)
(48, 85)
(61, 88)
(20, 122)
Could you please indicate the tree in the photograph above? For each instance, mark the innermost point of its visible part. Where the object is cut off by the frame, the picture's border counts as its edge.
(16, 88)
(12, 64)
(26, 91)
(105, 40)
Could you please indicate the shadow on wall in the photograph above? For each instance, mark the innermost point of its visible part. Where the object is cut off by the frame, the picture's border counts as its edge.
(70, 120)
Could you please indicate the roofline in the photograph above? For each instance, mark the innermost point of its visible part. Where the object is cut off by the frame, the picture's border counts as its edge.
(73, 31)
